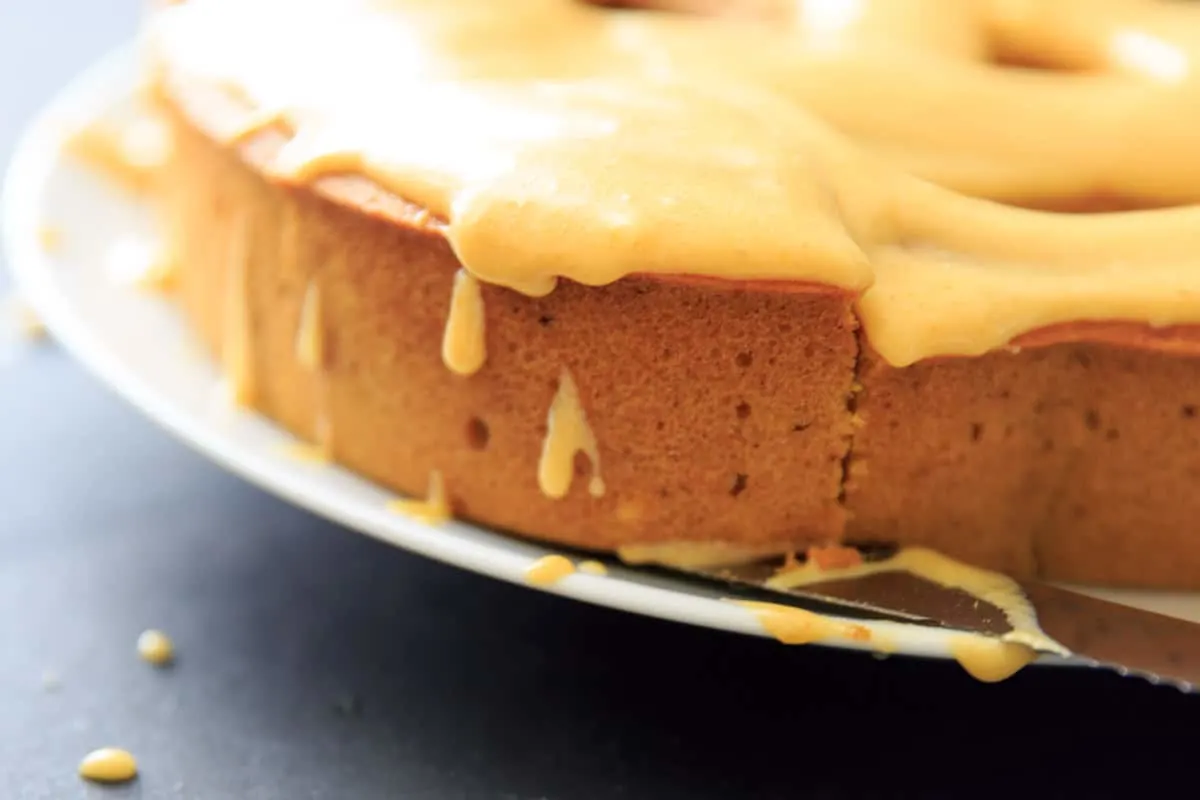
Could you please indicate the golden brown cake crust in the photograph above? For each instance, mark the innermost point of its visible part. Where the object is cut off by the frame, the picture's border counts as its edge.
(723, 411)
(720, 411)
(1076, 461)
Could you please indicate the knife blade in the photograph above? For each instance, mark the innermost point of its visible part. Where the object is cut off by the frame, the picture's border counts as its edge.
(1096, 632)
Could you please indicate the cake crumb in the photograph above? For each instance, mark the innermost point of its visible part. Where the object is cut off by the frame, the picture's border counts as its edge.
(156, 648)
(833, 557)
(108, 765)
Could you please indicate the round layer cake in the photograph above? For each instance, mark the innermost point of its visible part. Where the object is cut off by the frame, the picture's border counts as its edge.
(712, 287)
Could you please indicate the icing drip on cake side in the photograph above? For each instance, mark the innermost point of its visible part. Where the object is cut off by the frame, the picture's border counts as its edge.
(433, 510)
(464, 346)
(567, 433)
(311, 356)
(237, 346)
(310, 335)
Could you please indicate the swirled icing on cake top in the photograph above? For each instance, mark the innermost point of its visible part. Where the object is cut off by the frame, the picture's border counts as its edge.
(848, 143)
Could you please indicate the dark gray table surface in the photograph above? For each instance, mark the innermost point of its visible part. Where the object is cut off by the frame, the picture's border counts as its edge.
(315, 663)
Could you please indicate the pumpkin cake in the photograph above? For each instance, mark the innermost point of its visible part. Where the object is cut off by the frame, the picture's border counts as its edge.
(728, 278)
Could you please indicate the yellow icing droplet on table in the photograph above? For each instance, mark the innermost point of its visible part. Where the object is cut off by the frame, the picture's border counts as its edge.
(108, 765)
(155, 647)
(549, 570)
(592, 567)
(464, 345)
(990, 660)
(433, 510)
(567, 433)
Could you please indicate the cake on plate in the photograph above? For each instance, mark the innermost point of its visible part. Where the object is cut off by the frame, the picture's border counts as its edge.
(713, 280)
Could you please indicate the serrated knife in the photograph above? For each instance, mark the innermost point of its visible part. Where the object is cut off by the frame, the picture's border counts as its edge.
(1131, 641)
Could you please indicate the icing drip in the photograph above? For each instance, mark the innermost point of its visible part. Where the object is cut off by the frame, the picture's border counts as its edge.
(591, 567)
(984, 658)
(310, 338)
(126, 146)
(237, 349)
(567, 433)
(464, 349)
(990, 660)
(549, 570)
(433, 510)
(311, 355)
(50, 238)
(796, 626)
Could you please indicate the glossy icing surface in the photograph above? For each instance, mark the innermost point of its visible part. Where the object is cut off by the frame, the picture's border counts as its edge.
(556, 139)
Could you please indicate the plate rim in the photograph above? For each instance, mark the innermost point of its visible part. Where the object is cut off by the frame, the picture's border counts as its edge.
(38, 158)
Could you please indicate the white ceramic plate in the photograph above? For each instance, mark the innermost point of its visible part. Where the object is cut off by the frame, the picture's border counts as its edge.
(138, 345)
